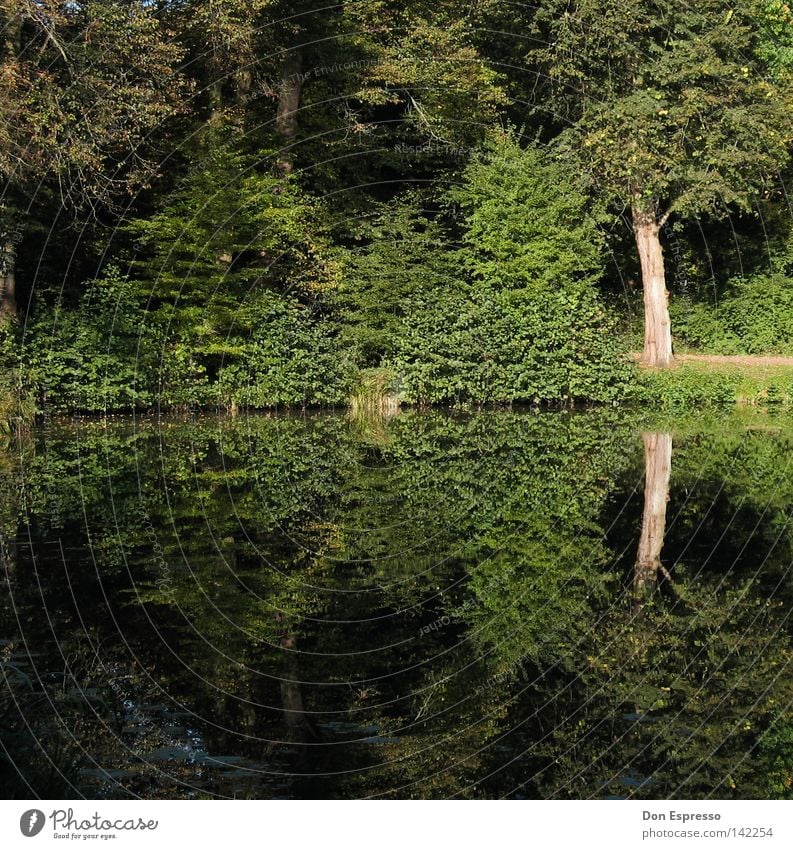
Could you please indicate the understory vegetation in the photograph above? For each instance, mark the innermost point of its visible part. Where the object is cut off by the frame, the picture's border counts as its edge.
(467, 302)
(244, 206)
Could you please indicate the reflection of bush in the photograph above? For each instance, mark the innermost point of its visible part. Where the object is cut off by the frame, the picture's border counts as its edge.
(776, 750)
(678, 700)
(494, 526)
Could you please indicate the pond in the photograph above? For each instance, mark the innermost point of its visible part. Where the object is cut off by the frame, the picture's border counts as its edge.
(473, 605)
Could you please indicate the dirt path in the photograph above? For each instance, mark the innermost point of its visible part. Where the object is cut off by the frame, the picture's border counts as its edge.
(742, 360)
(738, 359)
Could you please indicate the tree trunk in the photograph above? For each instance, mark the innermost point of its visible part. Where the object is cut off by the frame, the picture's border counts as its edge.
(288, 104)
(8, 286)
(11, 24)
(658, 467)
(657, 327)
(215, 100)
(244, 80)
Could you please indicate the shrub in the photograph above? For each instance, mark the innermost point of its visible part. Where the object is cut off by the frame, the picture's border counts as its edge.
(16, 404)
(754, 316)
(523, 321)
(403, 254)
(100, 356)
(487, 346)
(291, 358)
(685, 387)
(776, 757)
(110, 354)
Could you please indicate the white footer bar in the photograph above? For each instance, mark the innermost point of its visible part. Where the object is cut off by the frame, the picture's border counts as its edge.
(392, 824)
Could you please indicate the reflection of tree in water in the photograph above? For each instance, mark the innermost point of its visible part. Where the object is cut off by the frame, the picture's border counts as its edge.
(689, 696)
(299, 726)
(658, 467)
(334, 552)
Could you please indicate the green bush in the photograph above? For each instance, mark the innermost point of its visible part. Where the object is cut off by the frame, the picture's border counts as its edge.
(291, 358)
(109, 354)
(16, 404)
(522, 321)
(400, 255)
(180, 379)
(754, 316)
(100, 356)
(487, 346)
(685, 387)
(778, 392)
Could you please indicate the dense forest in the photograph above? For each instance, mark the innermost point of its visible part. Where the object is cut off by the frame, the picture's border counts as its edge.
(254, 203)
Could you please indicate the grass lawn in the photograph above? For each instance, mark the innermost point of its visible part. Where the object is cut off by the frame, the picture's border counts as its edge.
(704, 380)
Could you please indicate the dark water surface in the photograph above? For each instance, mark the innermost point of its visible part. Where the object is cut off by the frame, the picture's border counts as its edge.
(497, 604)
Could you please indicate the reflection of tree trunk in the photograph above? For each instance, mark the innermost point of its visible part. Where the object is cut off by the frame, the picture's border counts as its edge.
(658, 467)
(288, 104)
(8, 555)
(299, 728)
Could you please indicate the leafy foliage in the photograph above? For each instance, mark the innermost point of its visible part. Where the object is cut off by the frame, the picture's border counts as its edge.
(310, 193)
(524, 322)
(481, 555)
(401, 255)
(99, 356)
(666, 100)
(291, 358)
(82, 86)
(108, 355)
(686, 388)
(751, 317)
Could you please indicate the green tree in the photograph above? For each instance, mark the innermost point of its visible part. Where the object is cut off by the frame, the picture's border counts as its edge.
(401, 254)
(672, 110)
(776, 45)
(82, 86)
(423, 62)
(233, 238)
